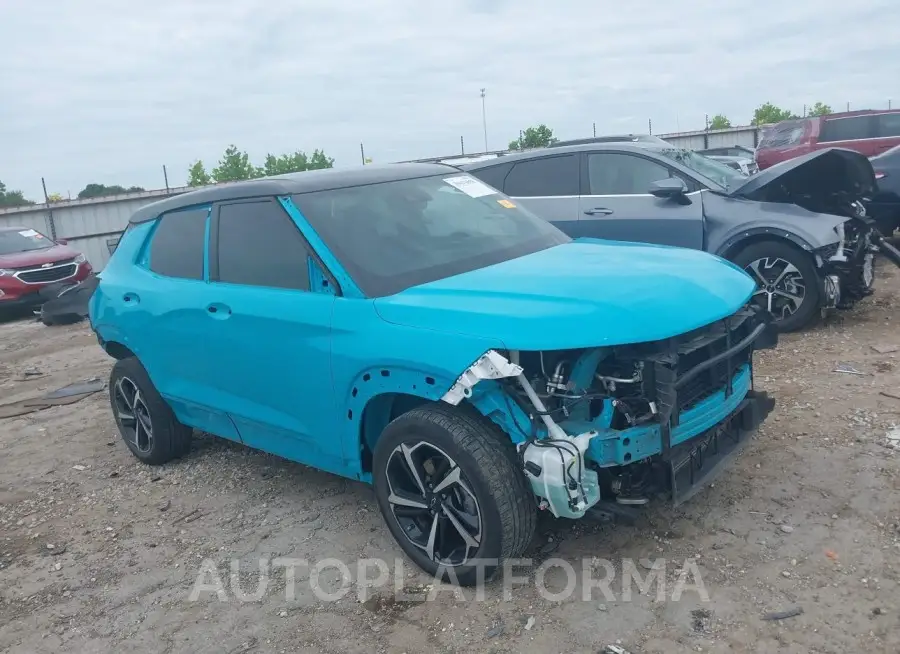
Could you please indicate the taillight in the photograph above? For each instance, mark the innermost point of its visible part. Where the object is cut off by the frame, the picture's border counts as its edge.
(880, 175)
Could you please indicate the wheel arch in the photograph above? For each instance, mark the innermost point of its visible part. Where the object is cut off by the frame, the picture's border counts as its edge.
(379, 395)
(118, 351)
(383, 394)
(749, 237)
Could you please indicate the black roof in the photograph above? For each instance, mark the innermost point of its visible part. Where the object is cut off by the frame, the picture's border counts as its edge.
(305, 182)
(565, 149)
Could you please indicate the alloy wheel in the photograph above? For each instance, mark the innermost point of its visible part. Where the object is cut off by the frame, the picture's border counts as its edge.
(781, 288)
(133, 415)
(433, 503)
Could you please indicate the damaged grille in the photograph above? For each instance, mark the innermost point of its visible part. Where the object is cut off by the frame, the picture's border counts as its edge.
(693, 367)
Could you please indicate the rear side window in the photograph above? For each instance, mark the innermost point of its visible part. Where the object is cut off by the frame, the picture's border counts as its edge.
(493, 175)
(622, 174)
(887, 125)
(783, 135)
(259, 245)
(178, 243)
(846, 129)
(547, 176)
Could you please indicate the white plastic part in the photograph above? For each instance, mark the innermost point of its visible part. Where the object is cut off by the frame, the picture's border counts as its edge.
(568, 487)
(491, 365)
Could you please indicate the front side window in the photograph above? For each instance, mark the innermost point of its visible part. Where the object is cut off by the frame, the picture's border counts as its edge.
(394, 235)
(259, 245)
(23, 240)
(612, 173)
(178, 243)
(719, 176)
(547, 176)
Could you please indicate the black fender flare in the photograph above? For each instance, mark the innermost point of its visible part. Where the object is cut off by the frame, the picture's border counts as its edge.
(730, 246)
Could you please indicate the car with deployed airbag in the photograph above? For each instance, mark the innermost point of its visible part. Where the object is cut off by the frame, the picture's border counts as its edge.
(411, 327)
(799, 228)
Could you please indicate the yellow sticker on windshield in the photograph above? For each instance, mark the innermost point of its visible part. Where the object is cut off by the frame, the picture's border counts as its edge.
(506, 203)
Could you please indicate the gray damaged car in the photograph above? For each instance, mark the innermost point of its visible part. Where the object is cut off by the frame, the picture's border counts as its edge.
(798, 228)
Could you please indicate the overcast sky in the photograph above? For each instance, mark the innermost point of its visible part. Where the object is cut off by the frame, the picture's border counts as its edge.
(108, 91)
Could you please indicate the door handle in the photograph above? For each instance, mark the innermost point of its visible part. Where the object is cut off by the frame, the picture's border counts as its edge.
(598, 211)
(219, 311)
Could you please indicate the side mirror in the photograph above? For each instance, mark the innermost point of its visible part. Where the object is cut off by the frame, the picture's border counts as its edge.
(669, 188)
(62, 241)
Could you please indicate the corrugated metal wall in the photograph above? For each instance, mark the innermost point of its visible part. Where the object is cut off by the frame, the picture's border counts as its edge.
(718, 138)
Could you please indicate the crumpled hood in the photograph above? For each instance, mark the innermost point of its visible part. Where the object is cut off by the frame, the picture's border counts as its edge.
(830, 171)
(579, 294)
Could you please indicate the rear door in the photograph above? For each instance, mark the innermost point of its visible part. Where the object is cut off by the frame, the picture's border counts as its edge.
(617, 204)
(548, 186)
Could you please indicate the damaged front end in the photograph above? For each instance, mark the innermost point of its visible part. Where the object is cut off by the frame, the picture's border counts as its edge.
(831, 182)
(620, 424)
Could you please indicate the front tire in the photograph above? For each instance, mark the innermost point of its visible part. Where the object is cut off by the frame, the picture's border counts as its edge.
(146, 423)
(787, 282)
(451, 492)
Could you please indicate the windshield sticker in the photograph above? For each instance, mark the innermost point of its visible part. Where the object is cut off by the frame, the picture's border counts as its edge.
(470, 186)
(506, 203)
(29, 233)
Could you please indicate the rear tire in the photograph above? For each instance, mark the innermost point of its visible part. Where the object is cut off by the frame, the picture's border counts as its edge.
(462, 530)
(769, 260)
(146, 422)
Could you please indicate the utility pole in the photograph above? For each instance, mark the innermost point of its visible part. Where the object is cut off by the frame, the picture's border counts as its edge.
(484, 119)
(650, 126)
(462, 145)
(595, 130)
(362, 153)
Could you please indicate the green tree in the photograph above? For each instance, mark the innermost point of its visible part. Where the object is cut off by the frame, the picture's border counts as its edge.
(296, 162)
(101, 190)
(235, 166)
(820, 109)
(319, 160)
(534, 137)
(719, 122)
(769, 113)
(197, 175)
(12, 198)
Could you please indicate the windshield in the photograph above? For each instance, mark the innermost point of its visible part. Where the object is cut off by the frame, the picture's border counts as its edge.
(395, 235)
(720, 174)
(23, 240)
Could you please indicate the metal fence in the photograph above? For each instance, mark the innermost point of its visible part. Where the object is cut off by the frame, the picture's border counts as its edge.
(92, 226)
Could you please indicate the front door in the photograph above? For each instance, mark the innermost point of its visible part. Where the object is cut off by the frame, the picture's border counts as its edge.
(618, 204)
(269, 336)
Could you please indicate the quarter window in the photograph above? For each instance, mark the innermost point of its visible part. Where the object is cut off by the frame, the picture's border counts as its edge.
(622, 174)
(547, 176)
(888, 125)
(259, 245)
(493, 175)
(178, 244)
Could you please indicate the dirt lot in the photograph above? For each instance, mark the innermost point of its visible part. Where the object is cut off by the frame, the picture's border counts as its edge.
(99, 553)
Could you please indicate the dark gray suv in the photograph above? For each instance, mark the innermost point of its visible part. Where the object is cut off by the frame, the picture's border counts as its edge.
(799, 228)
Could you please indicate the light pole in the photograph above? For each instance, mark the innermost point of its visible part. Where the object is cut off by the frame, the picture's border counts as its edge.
(484, 119)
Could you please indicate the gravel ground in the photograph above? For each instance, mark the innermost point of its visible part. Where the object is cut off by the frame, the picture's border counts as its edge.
(99, 553)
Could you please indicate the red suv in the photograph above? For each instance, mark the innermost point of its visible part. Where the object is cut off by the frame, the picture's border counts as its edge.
(869, 132)
(29, 261)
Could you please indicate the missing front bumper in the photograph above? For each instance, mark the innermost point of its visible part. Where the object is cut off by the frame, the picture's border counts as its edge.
(694, 464)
